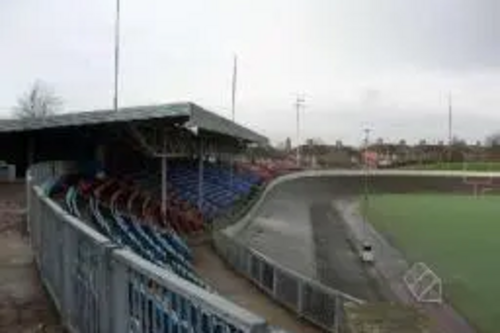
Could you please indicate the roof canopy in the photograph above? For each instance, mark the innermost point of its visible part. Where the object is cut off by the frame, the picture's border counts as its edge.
(191, 114)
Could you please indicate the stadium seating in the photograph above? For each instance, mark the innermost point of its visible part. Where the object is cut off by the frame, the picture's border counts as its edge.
(267, 169)
(101, 200)
(220, 190)
(128, 210)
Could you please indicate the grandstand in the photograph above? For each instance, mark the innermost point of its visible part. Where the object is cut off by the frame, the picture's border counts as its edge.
(145, 179)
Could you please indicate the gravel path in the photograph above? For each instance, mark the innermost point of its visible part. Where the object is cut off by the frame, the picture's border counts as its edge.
(24, 306)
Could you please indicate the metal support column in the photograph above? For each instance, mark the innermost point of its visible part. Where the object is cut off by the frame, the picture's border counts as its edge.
(164, 184)
(164, 194)
(231, 171)
(200, 176)
(30, 153)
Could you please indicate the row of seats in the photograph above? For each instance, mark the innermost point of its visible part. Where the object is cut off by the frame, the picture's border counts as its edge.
(114, 200)
(220, 189)
(267, 169)
(180, 216)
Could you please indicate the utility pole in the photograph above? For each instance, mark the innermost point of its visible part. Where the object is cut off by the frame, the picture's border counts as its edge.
(117, 54)
(299, 103)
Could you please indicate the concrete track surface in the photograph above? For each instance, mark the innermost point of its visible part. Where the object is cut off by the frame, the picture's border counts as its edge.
(301, 225)
(24, 306)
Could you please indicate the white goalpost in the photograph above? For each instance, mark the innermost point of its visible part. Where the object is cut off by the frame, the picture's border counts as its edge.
(425, 285)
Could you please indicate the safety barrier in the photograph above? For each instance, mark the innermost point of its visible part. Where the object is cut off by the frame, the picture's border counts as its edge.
(100, 287)
(309, 299)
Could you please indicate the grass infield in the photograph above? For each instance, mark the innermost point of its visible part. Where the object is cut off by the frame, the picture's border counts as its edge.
(473, 166)
(458, 236)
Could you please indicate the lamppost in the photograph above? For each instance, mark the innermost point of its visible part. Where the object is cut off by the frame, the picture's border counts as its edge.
(367, 251)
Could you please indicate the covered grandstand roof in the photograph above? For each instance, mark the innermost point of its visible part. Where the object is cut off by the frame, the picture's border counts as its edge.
(192, 114)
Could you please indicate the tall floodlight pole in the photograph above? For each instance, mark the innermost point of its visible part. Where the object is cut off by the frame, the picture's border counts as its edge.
(299, 103)
(233, 113)
(450, 128)
(233, 91)
(365, 187)
(117, 54)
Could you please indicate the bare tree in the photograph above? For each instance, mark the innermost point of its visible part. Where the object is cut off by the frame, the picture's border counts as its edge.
(38, 102)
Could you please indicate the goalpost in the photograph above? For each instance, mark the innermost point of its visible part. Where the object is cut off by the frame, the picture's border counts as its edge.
(477, 183)
(424, 284)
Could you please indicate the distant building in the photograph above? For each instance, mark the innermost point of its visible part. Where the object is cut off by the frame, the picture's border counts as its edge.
(370, 158)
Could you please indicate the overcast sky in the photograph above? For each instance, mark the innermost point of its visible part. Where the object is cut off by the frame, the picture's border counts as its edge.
(385, 64)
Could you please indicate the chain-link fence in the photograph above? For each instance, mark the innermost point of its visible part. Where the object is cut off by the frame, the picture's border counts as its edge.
(309, 299)
(100, 287)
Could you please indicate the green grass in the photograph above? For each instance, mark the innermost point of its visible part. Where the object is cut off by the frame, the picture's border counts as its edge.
(459, 237)
(473, 166)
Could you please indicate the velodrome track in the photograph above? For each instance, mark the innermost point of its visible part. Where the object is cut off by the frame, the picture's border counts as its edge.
(296, 224)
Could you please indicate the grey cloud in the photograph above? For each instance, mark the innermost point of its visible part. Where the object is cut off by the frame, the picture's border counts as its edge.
(445, 34)
(382, 63)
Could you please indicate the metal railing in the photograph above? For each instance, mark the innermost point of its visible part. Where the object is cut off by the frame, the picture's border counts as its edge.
(309, 299)
(100, 287)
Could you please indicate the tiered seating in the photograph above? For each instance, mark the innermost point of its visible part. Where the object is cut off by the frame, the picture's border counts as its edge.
(131, 217)
(219, 191)
(267, 169)
(104, 200)
(182, 215)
